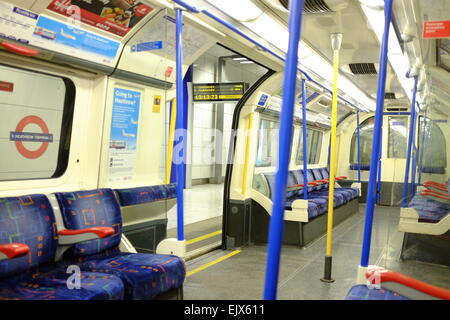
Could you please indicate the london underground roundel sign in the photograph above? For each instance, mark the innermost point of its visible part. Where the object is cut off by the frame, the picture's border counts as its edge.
(19, 136)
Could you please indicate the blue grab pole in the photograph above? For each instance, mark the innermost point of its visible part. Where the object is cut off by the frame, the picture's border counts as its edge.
(376, 137)
(410, 144)
(380, 153)
(284, 151)
(180, 124)
(414, 168)
(358, 127)
(305, 149)
(422, 146)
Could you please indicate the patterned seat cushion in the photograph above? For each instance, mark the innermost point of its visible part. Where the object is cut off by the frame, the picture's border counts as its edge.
(429, 209)
(133, 196)
(145, 276)
(29, 220)
(52, 285)
(93, 208)
(362, 292)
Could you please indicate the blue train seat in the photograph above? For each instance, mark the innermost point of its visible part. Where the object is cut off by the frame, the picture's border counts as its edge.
(429, 209)
(363, 292)
(133, 196)
(317, 192)
(145, 276)
(33, 275)
(391, 285)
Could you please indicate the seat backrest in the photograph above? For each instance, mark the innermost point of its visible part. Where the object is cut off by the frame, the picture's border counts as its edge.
(292, 180)
(93, 208)
(133, 196)
(325, 175)
(317, 176)
(30, 220)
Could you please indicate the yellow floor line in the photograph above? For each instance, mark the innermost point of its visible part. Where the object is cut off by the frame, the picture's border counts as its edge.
(206, 236)
(209, 264)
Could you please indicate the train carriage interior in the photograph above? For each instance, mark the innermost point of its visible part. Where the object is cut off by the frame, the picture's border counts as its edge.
(225, 150)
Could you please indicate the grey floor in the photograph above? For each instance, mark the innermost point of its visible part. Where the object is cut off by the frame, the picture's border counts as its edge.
(242, 275)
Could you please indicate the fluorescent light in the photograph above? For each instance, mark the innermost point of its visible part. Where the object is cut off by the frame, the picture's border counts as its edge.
(246, 62)
(239, 59)
(242, 10)
(399, 62)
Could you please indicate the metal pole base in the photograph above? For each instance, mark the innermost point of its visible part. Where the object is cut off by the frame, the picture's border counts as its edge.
(327, 273)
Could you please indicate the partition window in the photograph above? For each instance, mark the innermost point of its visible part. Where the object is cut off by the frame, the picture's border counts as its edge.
(313, 146)
(434, 153)
(366, 137)
(267, 143)
(398, 137)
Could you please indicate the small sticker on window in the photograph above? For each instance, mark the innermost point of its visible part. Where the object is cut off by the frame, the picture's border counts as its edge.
(6, 86)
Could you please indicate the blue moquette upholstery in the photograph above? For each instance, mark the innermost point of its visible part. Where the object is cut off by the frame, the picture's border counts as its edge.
(317, 195)
(362, 292)
(429, 210)
(86, 209)
(133, 196)
(144, 275)
(30, 220)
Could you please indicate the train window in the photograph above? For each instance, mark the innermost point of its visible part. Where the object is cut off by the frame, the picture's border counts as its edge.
(434, 154)
(398, 137)
(36, 122)
(366, 136)
(267, 143)
(313, 147)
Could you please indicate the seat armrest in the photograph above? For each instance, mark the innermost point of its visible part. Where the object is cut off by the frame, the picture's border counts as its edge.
(314, 183)
(440, 186)
(341, 178)
(10, 251)
(429, 193)
(403, 284)
(69, 237)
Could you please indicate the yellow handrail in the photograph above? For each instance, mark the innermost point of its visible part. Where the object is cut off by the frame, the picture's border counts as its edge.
(247, 153)
(332, 153)
(170, 142)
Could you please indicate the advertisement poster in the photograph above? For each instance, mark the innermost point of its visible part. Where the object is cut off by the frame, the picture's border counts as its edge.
(115, 16)
(123, 137)
(16, 23)
(60, 37)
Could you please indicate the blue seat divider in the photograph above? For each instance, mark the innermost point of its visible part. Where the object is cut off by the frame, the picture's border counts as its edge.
(138, 195)
(362, 292)
(145, 276)
(30, 220)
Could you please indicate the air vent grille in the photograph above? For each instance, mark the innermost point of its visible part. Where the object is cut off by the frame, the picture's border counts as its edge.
(363, 68)
(389, 95)
(310, 6)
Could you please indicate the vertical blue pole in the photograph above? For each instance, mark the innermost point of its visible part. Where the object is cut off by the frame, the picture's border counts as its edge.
(358, 127)
(422, 146)
(284, 151)
(380, 153)
(180, 124)
(376, 137)
(410, 143)
(305, 149)
(414, 169)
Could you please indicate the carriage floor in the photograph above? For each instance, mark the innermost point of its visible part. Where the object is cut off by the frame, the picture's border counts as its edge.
(239, 274)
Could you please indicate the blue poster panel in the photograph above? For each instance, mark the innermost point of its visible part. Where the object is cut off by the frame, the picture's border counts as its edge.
(123, 136)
